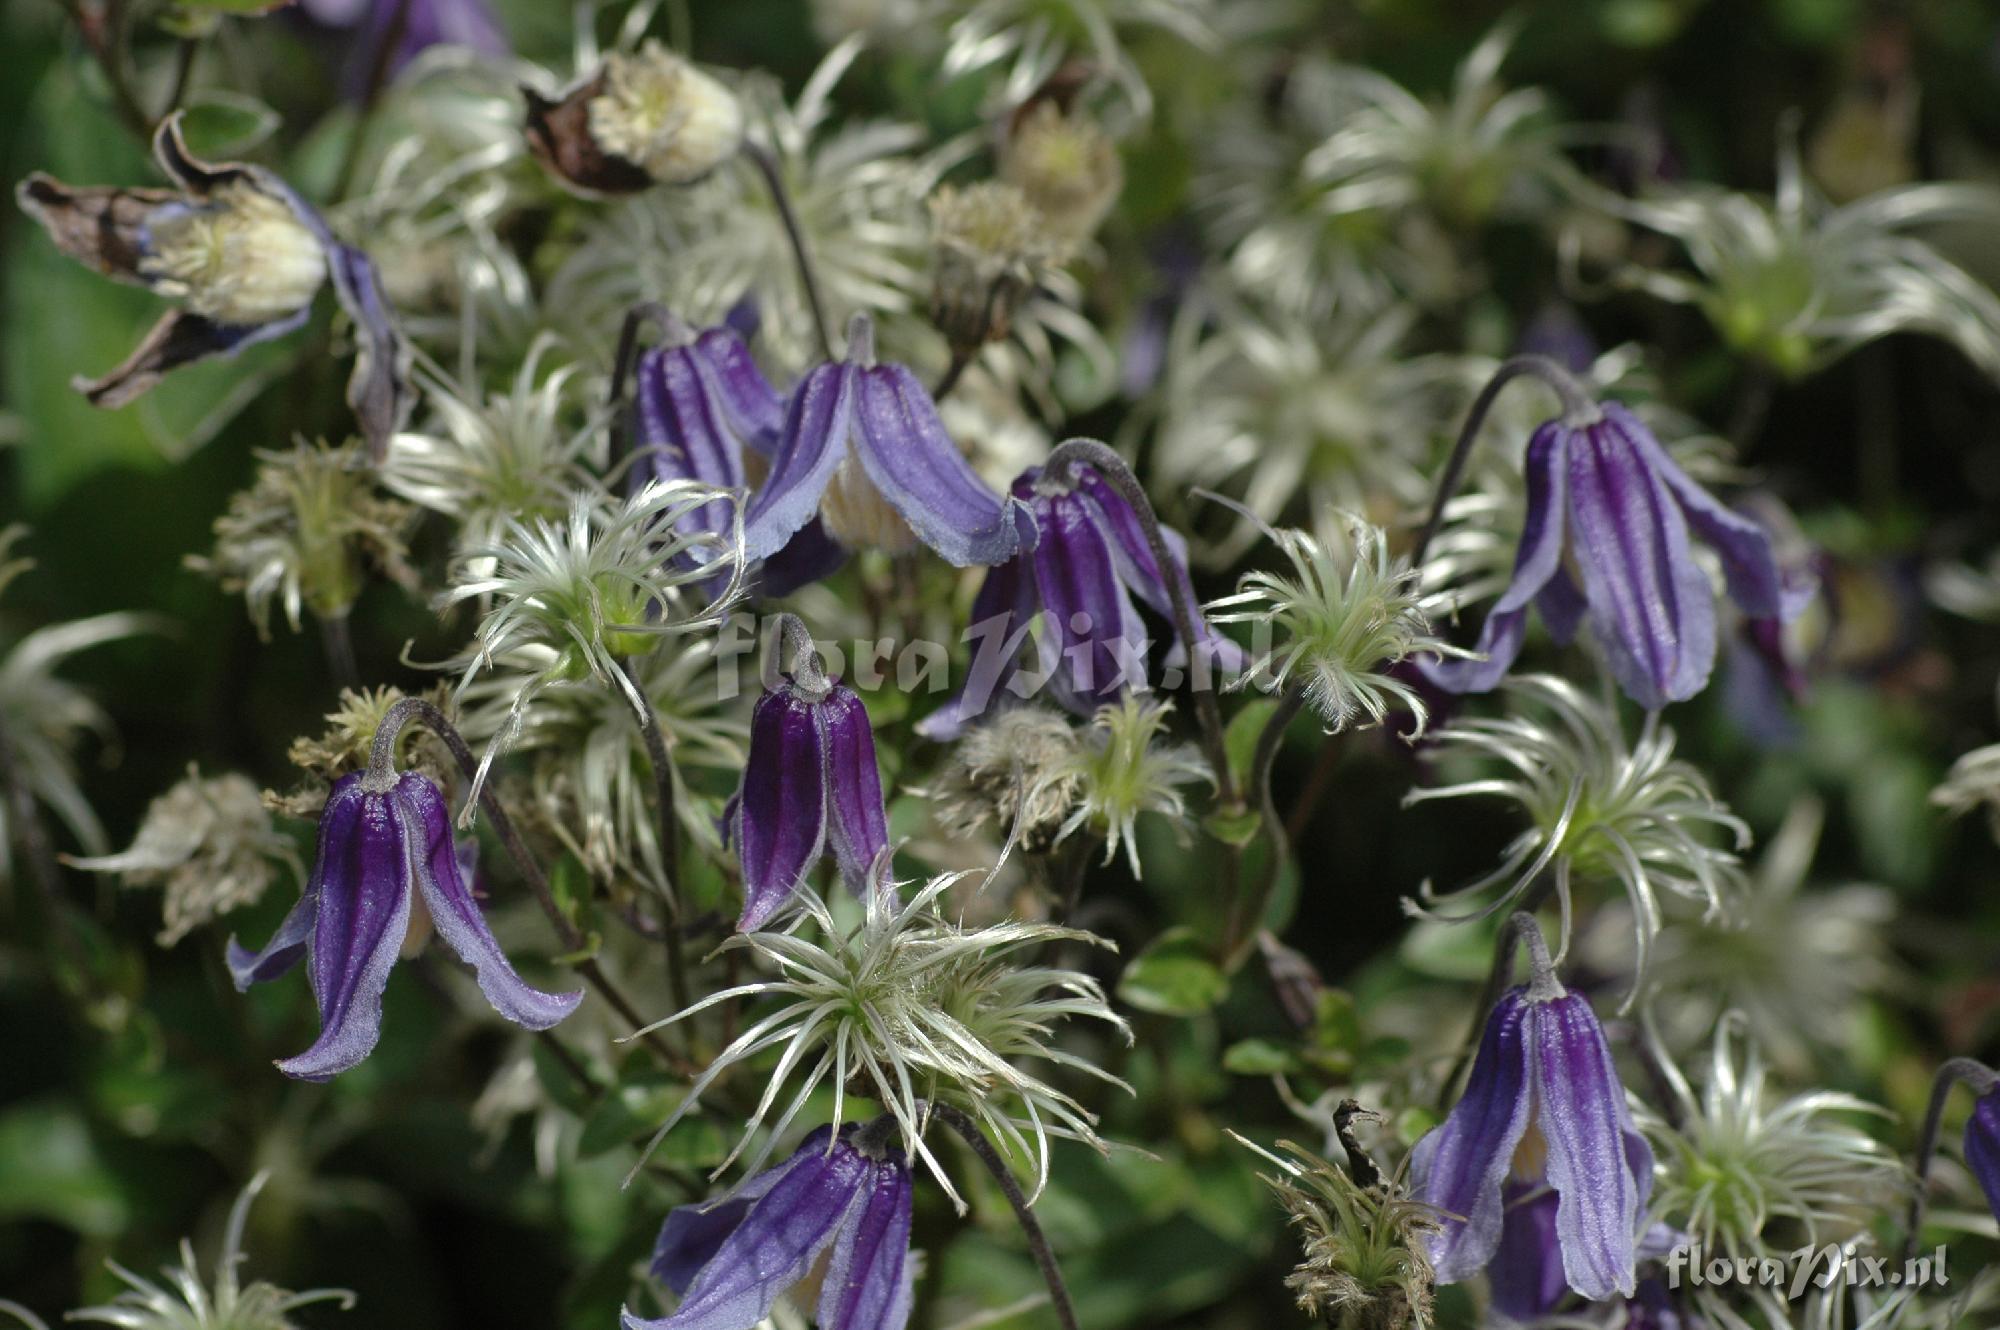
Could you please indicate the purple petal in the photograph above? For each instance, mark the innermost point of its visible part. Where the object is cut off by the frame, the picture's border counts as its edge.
(781, 819)
(867, 1284)
(1537, 562)
(857, 825)
(1140, 571)
(752, 406)
(1756, 583)
(685, 433)
(287, 946)
(1982, 1146)
(773, 1247)
(694, 1234)
(378, 390)
(920, 471)
(365, 865)
(1093, 639)
(1562, 606)
(815, 440)
(1527, 1271)
(1580, 1109)
(1651, 608)
(805, 559)
(456, 914)
(1001, 614)
(1460, 1165)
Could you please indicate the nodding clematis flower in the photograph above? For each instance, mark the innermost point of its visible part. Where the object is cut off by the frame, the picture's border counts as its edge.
(244, 254)
(384, 839)
(1092, 557)
(810, 782)
(863, 449)
(1606, 539)
(731, 1260)
(704, 411)
(1982, 1144)
(1538, 1169)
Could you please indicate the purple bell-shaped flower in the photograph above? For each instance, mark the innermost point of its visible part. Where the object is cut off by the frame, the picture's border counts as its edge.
(810, 783)
(863, 449)
(1092, 559)
(1606, 540)
(1538, 1171)
(731, 1260)
(383, 838)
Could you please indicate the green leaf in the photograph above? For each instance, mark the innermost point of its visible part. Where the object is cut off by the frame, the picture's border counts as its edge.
(1174, 976)
(1258, 1057)
(1239, 740)
(49, 1169)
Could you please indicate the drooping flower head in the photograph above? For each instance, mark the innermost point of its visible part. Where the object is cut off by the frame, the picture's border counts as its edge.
(844, 1197)
(1538, 1168)
(863, 450)
(810, 784)
(385, 844)
(917, 1008)
(1093, 556)
(243, 253)
(184, 1302)
(1601, 809)
(1607, 541)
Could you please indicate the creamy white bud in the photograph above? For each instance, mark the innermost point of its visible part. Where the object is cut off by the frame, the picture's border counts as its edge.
(664, 115)
(1067, 166)
(242, 257)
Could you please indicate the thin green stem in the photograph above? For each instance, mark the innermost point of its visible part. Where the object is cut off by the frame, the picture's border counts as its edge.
(1031, 1228)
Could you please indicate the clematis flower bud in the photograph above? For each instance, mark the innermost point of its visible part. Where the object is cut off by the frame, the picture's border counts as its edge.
(1066, 165)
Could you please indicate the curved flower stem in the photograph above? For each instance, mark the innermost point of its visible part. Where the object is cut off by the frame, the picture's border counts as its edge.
(1519, 927)
(808, 666)
(1576, 404)
(1031, 1228)
(382, 760)
(961, 360)
(774, 180)
(1118, 474)
(670, 840)
(1982, 1079)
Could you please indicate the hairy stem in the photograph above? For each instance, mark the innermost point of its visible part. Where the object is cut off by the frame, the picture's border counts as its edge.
(774, 180)
(1031, 1228)
(382, 761)
(1180, 592)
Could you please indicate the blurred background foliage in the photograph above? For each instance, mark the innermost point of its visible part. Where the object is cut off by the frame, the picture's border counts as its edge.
(135, 1092)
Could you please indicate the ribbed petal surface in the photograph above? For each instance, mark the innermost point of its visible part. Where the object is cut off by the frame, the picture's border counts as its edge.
(867, 1284)
(907, 454)
(817, 425)
(1580, 1109)
(1461, 1165)
(1093, 639)
(857, 825)
(781, 810)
